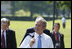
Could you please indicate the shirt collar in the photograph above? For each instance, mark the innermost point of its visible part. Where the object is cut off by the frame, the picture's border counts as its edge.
(2, 31)
(55, 32)
(36, 35)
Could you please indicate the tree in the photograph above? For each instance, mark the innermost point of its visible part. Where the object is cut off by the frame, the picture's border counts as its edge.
(13, 8)
(64, 5)
(32, 6)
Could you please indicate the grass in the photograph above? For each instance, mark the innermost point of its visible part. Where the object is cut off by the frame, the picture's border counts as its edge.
(21, 26)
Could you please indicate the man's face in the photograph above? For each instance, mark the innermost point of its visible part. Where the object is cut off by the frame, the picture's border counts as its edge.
(57, 27)
(4, 25)
(39, 27)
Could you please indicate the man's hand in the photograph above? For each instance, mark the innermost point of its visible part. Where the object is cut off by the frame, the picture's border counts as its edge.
(32, 41)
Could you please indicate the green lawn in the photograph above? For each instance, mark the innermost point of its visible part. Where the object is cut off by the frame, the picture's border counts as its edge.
(21, 26)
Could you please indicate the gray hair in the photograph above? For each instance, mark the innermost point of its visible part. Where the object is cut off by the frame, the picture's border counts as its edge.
(42, 20)
(5, 20)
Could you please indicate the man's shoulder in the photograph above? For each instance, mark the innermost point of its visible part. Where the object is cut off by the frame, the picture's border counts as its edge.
(30, 30)
(46, 36)
(61, 34)
(30, 35)
(10, 30)
(46, 30)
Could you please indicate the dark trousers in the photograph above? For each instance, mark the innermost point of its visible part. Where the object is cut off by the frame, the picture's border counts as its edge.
(63, 25)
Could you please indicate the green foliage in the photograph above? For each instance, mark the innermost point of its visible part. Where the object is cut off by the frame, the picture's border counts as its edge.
(64, 4)
(38, 7)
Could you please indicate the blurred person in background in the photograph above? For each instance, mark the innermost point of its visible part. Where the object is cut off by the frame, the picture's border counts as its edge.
(8, 39)
(63, 22)
(57, 37)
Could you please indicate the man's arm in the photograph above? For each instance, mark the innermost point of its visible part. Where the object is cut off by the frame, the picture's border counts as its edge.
(25, 43)
(62, 41)
(51, 43)
(14, 44)
(30, 30)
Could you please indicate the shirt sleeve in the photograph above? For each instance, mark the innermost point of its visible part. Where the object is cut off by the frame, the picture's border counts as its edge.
(25, 43)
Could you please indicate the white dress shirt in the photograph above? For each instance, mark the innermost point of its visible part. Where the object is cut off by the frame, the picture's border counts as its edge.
(63, 20)
(46, 41)
(4, 36)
